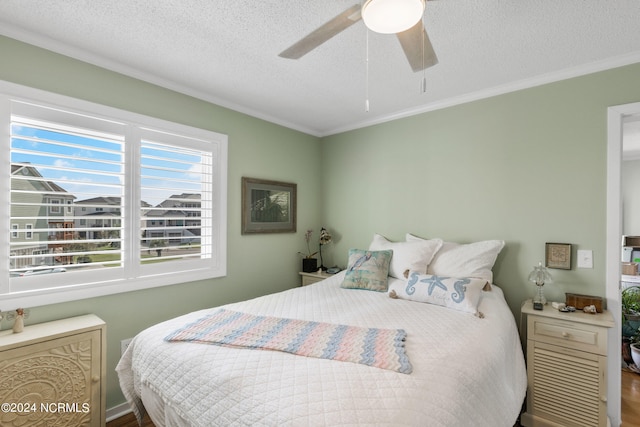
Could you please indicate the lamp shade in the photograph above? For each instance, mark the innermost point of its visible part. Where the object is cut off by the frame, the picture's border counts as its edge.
(325, 237)
(540, 275)
(392, 16)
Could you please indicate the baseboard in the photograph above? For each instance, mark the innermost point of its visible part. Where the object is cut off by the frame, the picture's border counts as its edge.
(118, 411)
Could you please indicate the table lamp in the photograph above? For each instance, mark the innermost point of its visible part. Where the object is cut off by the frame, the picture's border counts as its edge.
(540, 275)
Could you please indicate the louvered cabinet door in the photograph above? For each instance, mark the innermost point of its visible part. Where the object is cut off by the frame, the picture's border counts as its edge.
(567, 387)
(566, 369)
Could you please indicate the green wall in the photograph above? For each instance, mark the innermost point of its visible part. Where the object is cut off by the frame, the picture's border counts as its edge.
(257, 264)
(527, 167)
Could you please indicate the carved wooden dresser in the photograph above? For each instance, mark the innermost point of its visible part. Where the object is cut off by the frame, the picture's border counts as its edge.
(53, 374)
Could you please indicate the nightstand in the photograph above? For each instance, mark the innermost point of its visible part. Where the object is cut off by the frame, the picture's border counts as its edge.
(309, 278)
(566, 367)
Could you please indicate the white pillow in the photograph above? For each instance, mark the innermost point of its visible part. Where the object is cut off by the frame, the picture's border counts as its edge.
(462, 294)
(415, 255)
(469, 260)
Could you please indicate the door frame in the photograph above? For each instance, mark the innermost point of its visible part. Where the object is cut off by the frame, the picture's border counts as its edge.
(616, 116)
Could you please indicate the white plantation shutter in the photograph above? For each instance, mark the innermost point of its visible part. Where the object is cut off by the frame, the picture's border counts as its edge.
(67, 190)
(177, 207)
(104, 201)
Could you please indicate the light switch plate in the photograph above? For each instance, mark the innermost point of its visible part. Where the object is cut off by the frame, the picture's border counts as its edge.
(585, 258)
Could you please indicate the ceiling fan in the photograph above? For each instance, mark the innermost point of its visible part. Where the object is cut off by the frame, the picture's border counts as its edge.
(411, 34)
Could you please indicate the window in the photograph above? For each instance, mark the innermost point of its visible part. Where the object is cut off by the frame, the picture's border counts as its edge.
(110, 201)
(54, 208)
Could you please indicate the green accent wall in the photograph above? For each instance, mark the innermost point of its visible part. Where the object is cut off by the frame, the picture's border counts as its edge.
(527, 167)
(257, 264)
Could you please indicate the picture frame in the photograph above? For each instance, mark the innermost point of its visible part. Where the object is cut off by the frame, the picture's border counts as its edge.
(268, 206)
(558, 255)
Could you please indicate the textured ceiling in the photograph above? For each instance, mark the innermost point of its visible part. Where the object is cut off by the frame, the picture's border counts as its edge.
(226, 51)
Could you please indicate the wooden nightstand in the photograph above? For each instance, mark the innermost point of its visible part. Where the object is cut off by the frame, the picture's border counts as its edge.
(55, 373)
(309, 278)
(566, 367)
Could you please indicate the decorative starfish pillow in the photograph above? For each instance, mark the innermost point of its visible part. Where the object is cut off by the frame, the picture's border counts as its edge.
(461, 294)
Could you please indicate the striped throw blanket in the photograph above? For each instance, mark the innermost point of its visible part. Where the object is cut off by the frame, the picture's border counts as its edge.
(382, 348)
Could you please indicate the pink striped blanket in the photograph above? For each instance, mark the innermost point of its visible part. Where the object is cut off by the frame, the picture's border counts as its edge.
(382, 348)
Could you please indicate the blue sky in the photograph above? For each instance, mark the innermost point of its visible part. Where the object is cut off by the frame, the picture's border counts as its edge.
(87, 161)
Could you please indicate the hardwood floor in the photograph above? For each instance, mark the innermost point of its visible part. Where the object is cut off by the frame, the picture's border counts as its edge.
(630, 405)
(129, 420)
(630, 399)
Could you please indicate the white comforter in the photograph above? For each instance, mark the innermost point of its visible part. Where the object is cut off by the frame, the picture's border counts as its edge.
(467, 371)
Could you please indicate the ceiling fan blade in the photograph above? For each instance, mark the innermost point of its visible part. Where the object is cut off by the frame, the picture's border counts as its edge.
(323, 33)
(417, 47)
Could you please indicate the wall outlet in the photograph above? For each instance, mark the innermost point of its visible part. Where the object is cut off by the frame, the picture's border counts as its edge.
(124, 344)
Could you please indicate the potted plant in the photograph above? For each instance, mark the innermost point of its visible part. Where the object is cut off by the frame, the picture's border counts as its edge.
(630, 304)
(309, 263)
(634, 341)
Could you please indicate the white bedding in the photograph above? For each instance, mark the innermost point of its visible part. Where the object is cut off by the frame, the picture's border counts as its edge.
(467, 371)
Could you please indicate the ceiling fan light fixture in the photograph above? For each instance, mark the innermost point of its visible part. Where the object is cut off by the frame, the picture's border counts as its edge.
(392, 16)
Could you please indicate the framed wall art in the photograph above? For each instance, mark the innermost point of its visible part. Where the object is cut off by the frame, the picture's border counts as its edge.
(268, 206)
(558, 255)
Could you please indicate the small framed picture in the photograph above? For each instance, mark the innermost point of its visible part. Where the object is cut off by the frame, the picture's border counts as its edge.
(558, 255)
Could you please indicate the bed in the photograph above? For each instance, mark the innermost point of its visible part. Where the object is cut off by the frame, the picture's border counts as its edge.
(466, 369)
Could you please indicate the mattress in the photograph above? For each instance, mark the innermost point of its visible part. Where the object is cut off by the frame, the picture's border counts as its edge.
(467, 370)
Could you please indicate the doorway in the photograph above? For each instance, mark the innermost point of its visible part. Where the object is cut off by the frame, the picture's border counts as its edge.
(617, 117)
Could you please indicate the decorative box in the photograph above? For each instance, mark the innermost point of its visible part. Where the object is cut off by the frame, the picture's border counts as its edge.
(630, 268)
(581, 301)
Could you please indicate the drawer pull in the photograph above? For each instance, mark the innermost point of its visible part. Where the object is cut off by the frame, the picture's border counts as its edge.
(565, 334)
(95, 378)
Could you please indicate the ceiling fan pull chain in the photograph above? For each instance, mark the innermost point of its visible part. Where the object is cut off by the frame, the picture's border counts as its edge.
(366, 103)
(424, 69)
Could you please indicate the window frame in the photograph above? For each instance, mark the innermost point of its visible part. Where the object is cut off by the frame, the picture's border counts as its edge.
(133, 277)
